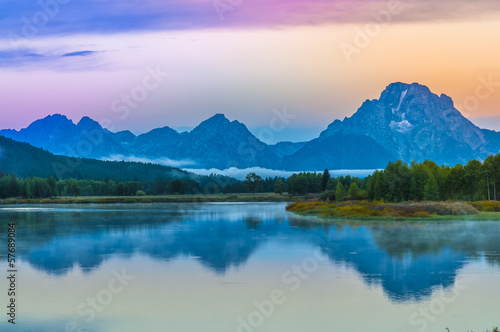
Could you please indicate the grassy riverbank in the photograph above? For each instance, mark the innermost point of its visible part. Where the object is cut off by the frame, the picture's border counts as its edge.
(151, 199)
(495, 329)
(406, 210)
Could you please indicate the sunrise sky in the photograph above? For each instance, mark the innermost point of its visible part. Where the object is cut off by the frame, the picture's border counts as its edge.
(317, 59)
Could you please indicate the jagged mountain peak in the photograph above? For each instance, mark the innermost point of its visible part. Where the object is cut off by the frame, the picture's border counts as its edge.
(56, 116)
(165, 129)
(54, 119)
(398, 87)
(218, 118)
(416, 124)
(86, 123)
(395, 94)
(55, 122)
(217, 124)
(402, 107)
(163, 134)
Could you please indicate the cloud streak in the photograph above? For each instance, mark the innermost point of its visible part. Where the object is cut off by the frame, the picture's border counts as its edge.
(240, 174)
(79, 53)
(115, 16)
(159, 161)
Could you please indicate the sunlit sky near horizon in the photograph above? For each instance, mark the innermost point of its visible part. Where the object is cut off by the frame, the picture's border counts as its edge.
(245, 59)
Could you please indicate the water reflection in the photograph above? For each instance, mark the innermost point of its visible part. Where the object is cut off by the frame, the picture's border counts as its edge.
(408, 261)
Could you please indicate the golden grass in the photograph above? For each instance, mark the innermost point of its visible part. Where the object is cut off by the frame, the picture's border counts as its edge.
(487, 206)
(366, 210)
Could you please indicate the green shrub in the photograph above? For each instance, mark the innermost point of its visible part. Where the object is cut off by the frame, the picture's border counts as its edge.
(487, 206)
(327, 195)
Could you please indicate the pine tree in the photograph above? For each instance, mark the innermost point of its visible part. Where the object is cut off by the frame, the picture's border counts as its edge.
(431, 189)
(14, 189)
(339, 192)
(279, 186)
(324, 180)
(413, 189)
(354, 190)
(52, 185)
(378, 186)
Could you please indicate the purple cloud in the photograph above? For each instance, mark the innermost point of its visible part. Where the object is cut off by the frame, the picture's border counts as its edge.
(49, 17)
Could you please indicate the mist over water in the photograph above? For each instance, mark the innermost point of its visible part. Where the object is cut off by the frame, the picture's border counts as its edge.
(211, 266)
(240, 174)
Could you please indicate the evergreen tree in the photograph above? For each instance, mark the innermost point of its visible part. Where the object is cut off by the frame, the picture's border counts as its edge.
(279, 186)
(177, 187)
(431, 189)
(340, 192)
(75, 188)
(52, 185)
(324, 179)
(378, 186)
(413, 189)
(354, 190)
(14, 188)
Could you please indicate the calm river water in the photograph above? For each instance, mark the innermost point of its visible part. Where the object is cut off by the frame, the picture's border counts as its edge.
(244, 267)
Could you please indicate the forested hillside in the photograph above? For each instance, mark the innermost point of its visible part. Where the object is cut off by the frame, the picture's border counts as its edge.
(27, 161)
(28, 171)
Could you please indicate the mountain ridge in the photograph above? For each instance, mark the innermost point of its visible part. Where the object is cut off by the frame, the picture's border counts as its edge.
(406, 122)
(416, 124)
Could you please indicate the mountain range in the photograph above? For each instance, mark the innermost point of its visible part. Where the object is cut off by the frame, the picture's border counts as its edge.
(407, 122)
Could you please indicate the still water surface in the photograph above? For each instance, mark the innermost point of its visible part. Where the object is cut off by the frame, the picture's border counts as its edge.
(245, 267)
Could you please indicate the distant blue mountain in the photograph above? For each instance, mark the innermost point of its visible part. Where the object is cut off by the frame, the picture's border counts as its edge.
(407, 122)
(59, 135)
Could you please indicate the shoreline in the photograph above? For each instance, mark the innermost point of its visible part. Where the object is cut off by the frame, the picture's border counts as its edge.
(323, 212)
(149, 199)
(482, 216)
(407, 211)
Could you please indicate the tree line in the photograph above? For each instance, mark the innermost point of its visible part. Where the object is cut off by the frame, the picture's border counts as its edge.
(427, 181)
(398, 182)
(34, 187)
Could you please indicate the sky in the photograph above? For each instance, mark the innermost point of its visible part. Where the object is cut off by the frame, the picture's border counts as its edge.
(286, 69)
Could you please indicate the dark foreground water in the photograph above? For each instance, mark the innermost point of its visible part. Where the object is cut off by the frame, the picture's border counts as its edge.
(244, 267)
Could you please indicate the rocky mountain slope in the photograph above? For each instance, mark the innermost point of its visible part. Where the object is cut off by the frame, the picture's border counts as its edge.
(407, 122)
(414, 124)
